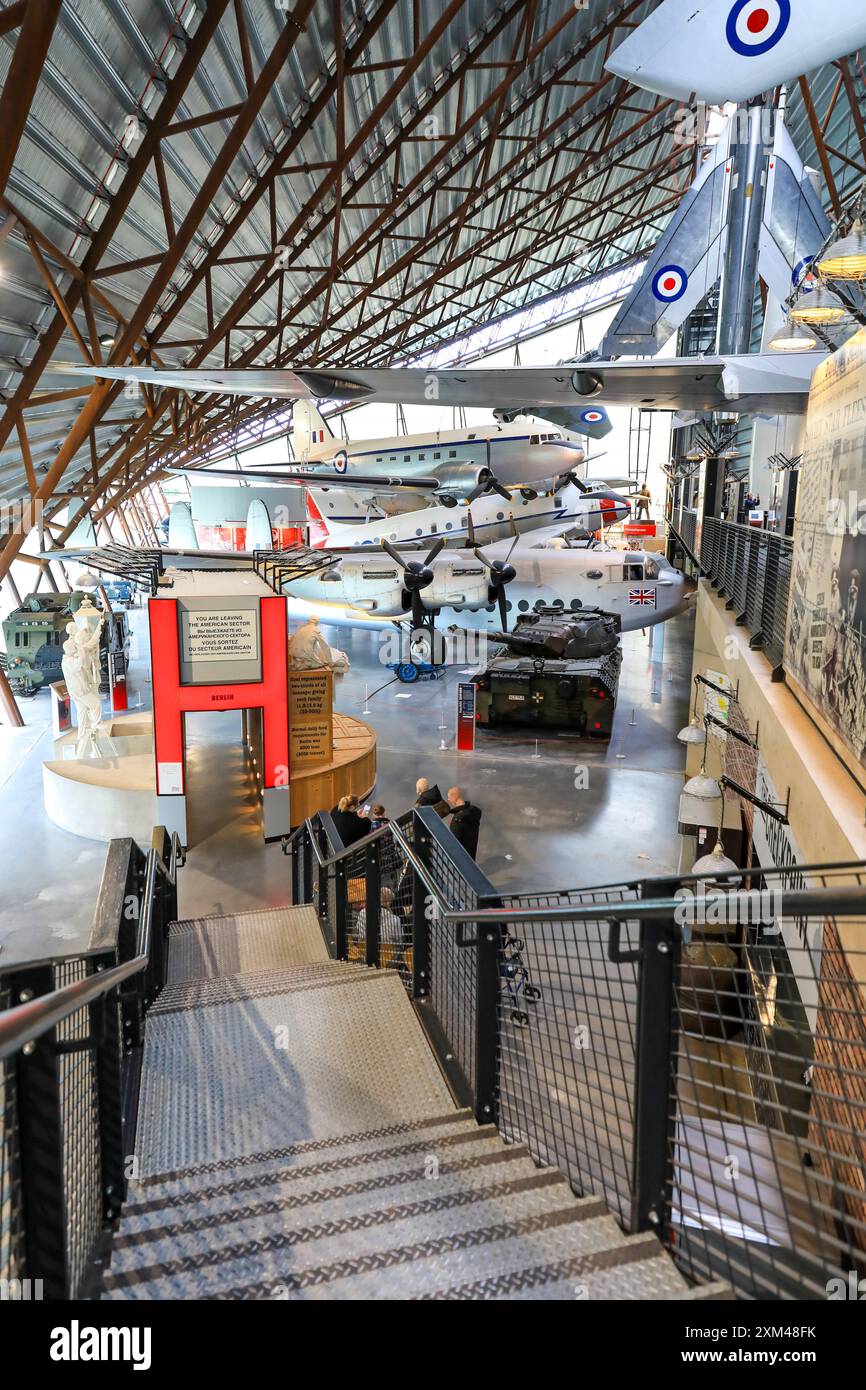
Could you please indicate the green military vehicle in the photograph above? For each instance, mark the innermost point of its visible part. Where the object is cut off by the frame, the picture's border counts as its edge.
(555, 670)
(34, 635)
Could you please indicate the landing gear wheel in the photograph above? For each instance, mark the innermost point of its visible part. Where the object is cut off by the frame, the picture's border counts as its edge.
(407, 673)
(519, 1018)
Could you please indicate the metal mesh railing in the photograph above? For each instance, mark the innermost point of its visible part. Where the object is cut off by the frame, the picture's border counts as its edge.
(695, 1057)
(69, 1081)
(567, 1043)
(767, 1149)
(11, 1201)
(79, 1105)
(752, 570)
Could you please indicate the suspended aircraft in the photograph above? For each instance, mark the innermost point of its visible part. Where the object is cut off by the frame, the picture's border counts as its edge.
(554, 566)
(692, 254)
(730, 50)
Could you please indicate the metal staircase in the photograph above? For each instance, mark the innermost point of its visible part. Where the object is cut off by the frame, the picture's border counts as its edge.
(410, 1086)
(297, 1139)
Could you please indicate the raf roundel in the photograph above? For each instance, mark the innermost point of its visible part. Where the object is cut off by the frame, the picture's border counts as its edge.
(756, 26)
(592, 417)
(341, 462)
(670, 283)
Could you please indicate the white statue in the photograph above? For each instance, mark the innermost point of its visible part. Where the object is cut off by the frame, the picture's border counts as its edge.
(80, 666)
(308, 648)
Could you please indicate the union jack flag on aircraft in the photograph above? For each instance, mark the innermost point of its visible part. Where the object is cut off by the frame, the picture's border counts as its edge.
(638, 597)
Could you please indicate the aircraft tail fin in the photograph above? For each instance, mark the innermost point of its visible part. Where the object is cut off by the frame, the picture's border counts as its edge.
(181, 531)
(310, 437)
(684, 265)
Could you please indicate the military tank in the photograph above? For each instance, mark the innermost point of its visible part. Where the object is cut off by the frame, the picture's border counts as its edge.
(556, 669)
(34, 635)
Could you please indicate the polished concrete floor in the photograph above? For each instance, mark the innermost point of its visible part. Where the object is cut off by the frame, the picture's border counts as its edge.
(563, 814)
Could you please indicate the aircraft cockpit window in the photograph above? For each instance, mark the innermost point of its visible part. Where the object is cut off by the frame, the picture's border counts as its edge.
(533, 439)
(651, 569)
(632, 574)
(331, 576)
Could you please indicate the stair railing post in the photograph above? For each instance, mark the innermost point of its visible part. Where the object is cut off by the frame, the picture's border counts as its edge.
(307, 843)
(488, 950)
(372, 901)
(341, 911)
(655, 1066)
(423, 915)
(105, 1027)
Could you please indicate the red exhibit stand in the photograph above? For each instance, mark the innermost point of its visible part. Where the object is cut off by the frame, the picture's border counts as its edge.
(175, 696)
(633, 529)
(466, 699)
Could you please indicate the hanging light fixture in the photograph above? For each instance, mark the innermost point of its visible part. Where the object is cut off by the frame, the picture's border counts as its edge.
(694, 732)
(719, 865)
(819, 306)
(703, 787)
(793, 338)
(845, 259)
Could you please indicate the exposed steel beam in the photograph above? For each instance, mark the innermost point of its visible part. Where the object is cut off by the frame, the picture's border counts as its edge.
(34, 39)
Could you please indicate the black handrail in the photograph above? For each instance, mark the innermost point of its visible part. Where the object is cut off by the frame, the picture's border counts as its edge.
(26, 1022)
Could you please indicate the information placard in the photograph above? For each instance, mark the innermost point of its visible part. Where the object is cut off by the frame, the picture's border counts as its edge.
(311, 725)
(220, 635)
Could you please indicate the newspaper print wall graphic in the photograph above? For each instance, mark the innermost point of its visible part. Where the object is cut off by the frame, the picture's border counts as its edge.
(824, 645)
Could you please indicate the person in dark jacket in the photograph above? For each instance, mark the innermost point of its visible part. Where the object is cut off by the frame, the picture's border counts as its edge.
(425, 795)
(465, 820)
(348, 824)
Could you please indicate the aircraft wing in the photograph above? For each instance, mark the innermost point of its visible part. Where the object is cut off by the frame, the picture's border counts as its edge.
(683, 266)
(380, 481)
(730, 50)
(761, 384)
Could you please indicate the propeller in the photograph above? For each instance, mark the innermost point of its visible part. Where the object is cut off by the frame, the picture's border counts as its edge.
(488, 482)
(501, 573)
(417, 575)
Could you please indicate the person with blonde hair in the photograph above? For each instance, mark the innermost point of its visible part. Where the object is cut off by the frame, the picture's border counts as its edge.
(348, 823)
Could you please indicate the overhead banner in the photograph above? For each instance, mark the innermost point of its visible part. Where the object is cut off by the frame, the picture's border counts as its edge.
(824, 644)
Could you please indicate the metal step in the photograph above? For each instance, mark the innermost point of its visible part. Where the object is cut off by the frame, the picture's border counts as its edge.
(197, 994)
(261, 1074)
(308, 1161)
(346, 1205)
(244, 942)
(389, 1243)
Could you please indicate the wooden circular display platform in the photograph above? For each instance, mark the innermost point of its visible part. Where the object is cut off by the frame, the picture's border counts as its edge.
(351, 771)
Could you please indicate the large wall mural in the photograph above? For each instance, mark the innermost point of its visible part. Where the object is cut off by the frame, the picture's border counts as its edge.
(824, 649)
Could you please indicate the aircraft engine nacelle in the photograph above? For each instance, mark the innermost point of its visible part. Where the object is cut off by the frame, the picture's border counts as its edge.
(373, 584)
(458, 479)
(458, 582)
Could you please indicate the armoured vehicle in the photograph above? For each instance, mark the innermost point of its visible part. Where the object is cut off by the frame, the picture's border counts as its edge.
(555, 670)
(34, 635)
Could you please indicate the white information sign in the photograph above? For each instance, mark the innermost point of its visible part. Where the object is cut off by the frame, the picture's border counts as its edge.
(221, 635)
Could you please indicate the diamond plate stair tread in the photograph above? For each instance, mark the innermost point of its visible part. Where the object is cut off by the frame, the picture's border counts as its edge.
(215, 1084)
(378, 1175)
(307, 1162)
(635, 1267)
(197, 994)
(387, 1241)
(239, 943)
(201, 1228)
